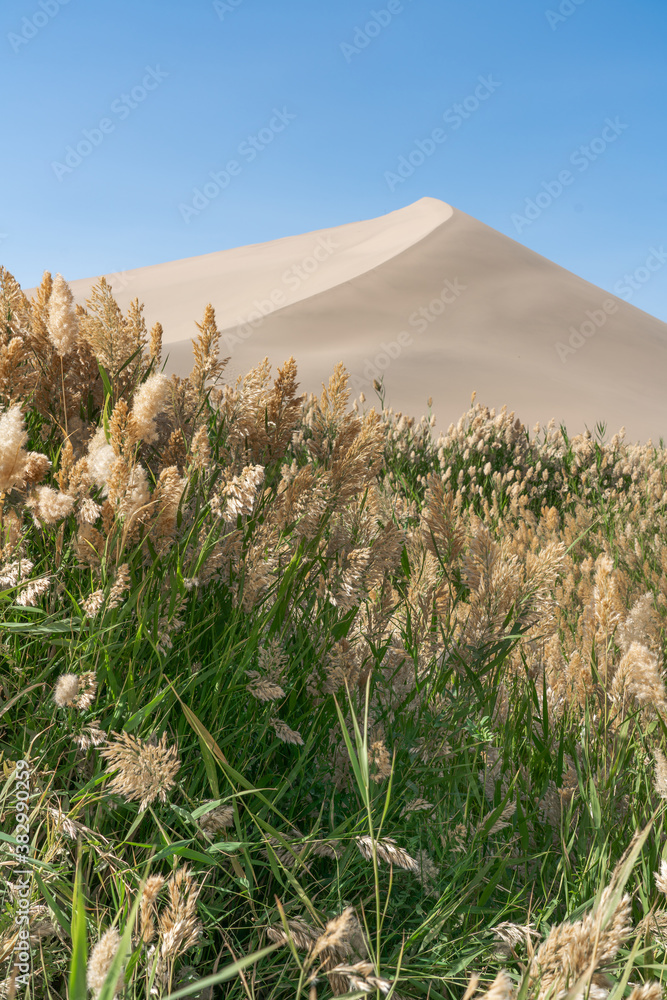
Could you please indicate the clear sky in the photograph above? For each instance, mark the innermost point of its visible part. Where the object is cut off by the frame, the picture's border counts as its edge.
(115, 112)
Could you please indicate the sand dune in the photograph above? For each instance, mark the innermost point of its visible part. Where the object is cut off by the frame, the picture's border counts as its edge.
(433, 300)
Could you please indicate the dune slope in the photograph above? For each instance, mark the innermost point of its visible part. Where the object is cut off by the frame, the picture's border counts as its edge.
(435, 302)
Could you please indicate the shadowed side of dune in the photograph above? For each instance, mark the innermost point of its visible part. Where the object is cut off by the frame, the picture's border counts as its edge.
(432, 301)
(468, 308)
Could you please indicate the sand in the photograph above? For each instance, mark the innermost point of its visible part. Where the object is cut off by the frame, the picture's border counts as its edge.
(433, 301)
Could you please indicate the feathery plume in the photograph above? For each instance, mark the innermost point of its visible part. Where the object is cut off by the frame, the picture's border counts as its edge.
(92, 604)
(50, 505)
(207, 367)
(387, 850)
(510, 935)
(362, 977)
(289, 855)
(500, 989)
(241, 492)
(263, 688)
(660, 776)
(92, 736)
(609, 612)
(149, 400)
(441, 527)
(14, 459)
(64, 824)
(503, 820)
(88, 511)
(417, 805)
(100, 961)
(75, 691)
(216, 820)
(66, 690)
(31, 593)
(337, 936)
(661, 878)
(303, 935)
(200, 449)
(647, 991)
(167, 497)
(143, 771)
(284, 733)
(178, 925)
(148, 907)
(572, 948)
(101, 459)
(63, 324)
(428, 872)
(87, 691)
(641, 625)
(379, 756)
(36, 468)
(155, 342)
(121, 585)
(12, 573)
(638, 676)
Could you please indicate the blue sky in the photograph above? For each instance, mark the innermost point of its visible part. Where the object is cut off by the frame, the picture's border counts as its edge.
(314, 103)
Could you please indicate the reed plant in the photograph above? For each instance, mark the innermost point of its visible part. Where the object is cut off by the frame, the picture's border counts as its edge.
(313, 702)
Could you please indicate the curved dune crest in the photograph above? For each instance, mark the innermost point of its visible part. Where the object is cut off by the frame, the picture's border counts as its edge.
(248, 282)
(432, 300)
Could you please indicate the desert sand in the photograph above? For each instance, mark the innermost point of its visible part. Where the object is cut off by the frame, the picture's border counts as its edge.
(434, 301)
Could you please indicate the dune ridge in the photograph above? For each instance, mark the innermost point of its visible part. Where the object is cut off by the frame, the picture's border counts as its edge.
(433, 301)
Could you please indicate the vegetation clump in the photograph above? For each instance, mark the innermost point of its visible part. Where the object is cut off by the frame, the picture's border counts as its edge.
(312, 703)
